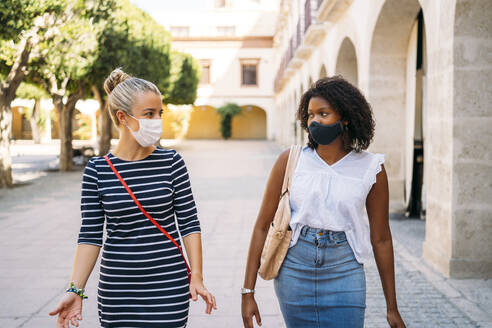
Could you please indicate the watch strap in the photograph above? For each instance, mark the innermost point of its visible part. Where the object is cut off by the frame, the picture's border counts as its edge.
(247, 291)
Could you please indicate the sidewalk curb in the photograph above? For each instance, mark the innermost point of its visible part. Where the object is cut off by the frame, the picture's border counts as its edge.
(470, 308)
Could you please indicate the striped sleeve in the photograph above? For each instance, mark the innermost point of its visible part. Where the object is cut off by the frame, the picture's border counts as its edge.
(183, 202)
(91, 229)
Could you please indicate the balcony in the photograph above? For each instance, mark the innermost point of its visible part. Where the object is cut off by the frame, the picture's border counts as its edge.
(310, 30)
(314, 29)
(300, 53)
(332, 10)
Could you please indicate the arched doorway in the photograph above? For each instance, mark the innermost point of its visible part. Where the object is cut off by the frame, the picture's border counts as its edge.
(18, 123)
(250, 124)
(392, 88)
(347, 61)
(414, 192)
(81, 125)
(204, 123)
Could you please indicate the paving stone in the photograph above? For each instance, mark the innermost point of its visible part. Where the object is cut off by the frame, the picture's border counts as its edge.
(39, 224)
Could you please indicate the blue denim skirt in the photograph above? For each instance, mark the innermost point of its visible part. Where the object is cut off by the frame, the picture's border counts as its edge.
(320, 283)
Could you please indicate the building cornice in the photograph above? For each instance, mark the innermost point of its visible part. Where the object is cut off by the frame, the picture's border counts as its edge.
(241, 41)
(224, 38)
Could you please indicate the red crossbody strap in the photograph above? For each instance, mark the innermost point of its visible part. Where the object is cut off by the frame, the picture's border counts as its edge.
(145, 212)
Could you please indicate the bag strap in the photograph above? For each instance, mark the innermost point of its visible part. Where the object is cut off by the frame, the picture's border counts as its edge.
(147, 214)
(294, 153)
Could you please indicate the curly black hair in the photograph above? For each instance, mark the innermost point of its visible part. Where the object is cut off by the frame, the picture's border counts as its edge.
(347, 101)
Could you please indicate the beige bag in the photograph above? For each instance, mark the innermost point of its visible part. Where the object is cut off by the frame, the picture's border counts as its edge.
(278, 238)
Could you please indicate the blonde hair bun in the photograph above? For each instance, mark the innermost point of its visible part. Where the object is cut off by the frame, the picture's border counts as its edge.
(116, 77)
(122, 90)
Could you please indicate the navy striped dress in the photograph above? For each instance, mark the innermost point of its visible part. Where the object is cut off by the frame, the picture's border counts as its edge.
(143, 280)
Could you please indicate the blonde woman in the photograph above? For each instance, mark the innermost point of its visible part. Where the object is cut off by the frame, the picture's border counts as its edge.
(143, 277)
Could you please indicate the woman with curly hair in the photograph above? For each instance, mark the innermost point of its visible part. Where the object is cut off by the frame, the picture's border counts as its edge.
(339, 205)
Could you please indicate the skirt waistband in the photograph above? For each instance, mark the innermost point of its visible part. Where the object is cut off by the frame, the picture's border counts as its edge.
(322, 234)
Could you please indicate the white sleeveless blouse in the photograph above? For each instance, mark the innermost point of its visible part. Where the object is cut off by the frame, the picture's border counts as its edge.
(333, 197)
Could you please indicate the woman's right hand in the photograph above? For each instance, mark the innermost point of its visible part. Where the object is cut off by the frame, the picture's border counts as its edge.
(249, 308)
(69, 310)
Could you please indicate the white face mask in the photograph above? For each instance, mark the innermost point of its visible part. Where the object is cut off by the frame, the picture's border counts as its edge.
(149, 132)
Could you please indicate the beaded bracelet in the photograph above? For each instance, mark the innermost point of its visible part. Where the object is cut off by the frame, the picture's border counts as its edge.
(73, 289)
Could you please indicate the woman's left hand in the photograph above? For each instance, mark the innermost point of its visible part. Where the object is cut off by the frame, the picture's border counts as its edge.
(394, 319)
(197, 288)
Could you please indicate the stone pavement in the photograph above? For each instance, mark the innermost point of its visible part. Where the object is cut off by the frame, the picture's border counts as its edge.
(31, 161)
(39, 224)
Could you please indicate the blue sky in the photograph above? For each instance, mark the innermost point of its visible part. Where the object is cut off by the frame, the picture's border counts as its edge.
(162, 5)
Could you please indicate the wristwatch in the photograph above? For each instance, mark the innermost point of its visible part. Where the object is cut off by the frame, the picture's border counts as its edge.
(247, 291)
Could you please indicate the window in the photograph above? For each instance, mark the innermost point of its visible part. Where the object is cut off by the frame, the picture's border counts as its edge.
(180, 31)
(205, 74)
(226, 30)
(249, 72)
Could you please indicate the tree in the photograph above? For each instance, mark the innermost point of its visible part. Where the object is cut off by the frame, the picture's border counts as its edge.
(25, 24)
(227, 112)
(34, 114)
(136, 42)
(113, 42)
(63, 68)
(184, 79)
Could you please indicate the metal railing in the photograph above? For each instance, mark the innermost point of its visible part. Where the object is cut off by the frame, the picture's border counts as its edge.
(299, 34)
(307, 15)
(304, 22)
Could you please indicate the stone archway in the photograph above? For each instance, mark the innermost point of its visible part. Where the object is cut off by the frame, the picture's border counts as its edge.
(250, 124)
(347, 62)
(77, 122)
(388, 86)
(17, 122)
(414, 193)
(204, 123)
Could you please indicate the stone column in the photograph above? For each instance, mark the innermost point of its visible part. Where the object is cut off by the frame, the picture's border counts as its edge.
(459, 216)
(472, 138)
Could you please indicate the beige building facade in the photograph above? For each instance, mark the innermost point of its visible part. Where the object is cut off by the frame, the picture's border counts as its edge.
(426, 68)
(233, 41)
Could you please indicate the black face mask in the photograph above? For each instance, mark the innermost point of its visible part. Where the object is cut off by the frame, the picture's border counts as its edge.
(325, 134)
